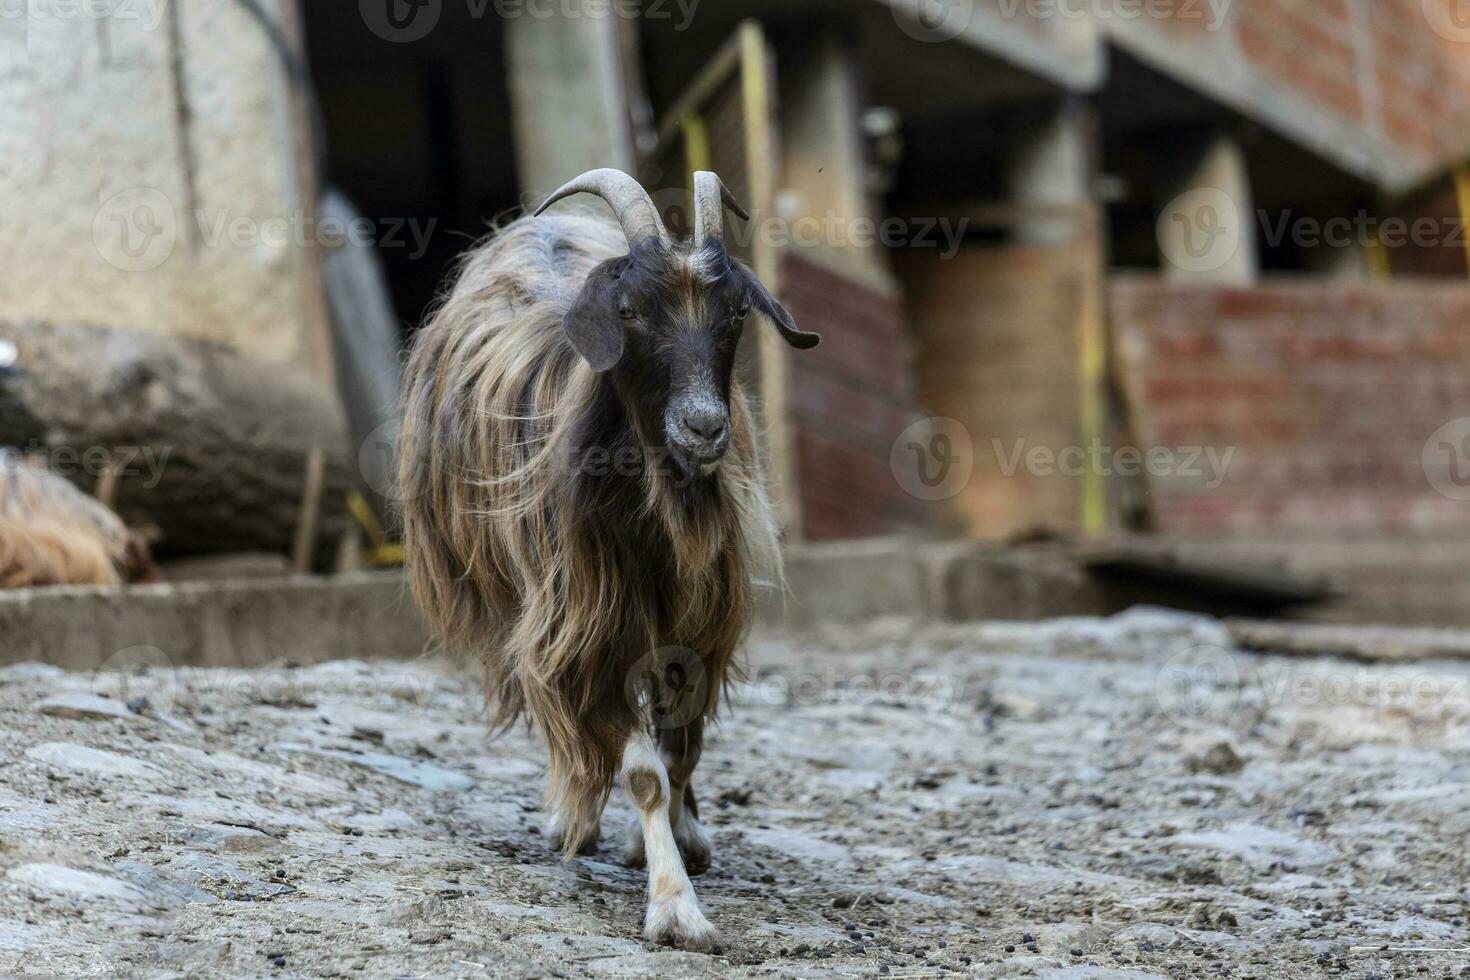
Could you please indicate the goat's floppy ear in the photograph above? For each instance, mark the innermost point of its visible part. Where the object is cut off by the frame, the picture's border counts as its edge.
(592, 324)
(778, 314)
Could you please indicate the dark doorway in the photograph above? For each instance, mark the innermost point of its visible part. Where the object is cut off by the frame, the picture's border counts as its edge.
(419, 135)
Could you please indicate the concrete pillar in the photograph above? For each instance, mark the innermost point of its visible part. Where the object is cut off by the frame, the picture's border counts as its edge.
(567, 97)
(1049, 176)
(1207, 228)
(824, 193)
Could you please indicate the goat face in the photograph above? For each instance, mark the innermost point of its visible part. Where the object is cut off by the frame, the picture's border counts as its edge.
(665, 321)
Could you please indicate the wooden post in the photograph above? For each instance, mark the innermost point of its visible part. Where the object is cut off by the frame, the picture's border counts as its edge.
(757, 74)
(311, 499)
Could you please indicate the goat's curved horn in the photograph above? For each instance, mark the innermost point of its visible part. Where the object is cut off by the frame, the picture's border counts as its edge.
(629, 201)
(711, 198)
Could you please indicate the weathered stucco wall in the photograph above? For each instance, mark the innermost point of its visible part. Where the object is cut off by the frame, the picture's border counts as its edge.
(146, 174)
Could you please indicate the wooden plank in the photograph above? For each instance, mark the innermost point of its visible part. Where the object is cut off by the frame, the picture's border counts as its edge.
(1249, 582)
(1366, 644)
(757, 76)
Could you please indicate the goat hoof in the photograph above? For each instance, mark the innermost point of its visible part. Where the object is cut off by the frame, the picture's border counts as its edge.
(679, 921)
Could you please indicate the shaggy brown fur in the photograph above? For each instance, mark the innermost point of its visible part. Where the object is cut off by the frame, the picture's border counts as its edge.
(53, 534)
(557, 576)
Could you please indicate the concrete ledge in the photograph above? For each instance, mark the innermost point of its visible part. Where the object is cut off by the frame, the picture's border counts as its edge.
(252, 622)
(238, 624)
(849, 581)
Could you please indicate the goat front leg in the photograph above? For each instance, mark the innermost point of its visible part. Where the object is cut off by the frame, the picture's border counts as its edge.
(680, 749)
(673, 913)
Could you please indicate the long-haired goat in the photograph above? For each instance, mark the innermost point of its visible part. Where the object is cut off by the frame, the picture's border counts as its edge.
(53, 534)
(583, 505)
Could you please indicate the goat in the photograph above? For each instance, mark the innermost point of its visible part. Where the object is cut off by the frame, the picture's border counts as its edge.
(584, 509)
(53, 534)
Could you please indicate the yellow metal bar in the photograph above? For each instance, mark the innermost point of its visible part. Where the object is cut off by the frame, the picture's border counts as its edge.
(1462, 194)
(1375, 255)
(381, 552)
(1092, 371)
(757, 101)
(697, 154)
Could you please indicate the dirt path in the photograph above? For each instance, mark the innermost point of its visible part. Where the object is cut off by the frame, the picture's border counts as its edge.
(1082, 799)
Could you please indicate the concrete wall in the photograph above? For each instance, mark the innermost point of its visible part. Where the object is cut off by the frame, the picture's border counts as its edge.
(146, 175)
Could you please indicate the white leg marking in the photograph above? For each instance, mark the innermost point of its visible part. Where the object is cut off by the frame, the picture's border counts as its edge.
(633, 855)
(673, 911)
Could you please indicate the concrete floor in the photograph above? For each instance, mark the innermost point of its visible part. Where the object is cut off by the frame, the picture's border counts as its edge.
(1083, 798)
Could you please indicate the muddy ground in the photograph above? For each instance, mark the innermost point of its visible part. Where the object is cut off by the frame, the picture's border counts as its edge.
(1088, 799)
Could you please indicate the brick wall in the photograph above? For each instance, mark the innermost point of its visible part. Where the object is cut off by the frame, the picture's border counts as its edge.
(851, 397)
(1327, 391)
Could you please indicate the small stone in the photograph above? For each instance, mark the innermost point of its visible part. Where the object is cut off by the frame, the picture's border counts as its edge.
(84, 707)
(1219, 760)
